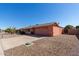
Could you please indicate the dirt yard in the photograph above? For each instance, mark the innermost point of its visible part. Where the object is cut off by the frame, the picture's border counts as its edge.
(64, 45)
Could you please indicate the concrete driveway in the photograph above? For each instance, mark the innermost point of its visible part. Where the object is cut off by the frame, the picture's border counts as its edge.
(16, 41)
(1, 51)
(8, 43)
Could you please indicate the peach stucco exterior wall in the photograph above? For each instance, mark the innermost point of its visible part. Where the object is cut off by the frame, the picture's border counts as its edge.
(46, 30)
(57, 31)
(49, 30)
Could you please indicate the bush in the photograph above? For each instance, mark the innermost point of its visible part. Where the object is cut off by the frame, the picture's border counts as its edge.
(67, 27)
(20, 32)
(77, 27)
(10, 30)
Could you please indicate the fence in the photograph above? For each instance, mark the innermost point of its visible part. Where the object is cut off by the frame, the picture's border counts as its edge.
(73, 31)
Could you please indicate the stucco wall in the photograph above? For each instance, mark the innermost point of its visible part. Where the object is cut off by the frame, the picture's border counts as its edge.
(48, 30)
(57, 31)
(42, 30)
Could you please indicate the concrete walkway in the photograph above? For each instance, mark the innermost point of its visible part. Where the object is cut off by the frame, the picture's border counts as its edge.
(1, 49)
(17, 41)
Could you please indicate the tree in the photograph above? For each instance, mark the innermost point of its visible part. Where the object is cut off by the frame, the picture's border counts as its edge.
(77, 27)
(0, 30)
(67, 27)
(10, 30)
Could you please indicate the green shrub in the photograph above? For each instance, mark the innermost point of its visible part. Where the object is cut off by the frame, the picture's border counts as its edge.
(20, 32)
(10, 30)
(67, 27)
(77, 27)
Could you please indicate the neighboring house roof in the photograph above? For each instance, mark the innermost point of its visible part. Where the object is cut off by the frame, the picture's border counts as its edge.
(40, 25)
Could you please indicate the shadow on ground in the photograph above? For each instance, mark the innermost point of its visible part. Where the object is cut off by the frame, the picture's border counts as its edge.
(77, 36)
(38, 36)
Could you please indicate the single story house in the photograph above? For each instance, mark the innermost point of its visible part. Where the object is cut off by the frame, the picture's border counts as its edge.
(47, 29)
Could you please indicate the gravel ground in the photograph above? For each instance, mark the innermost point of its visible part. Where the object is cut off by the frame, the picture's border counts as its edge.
(64, 45)
(5, 36)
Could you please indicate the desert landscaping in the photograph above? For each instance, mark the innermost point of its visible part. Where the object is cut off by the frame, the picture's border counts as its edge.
(64, 45)
(18, 43)
(30, 45)
(39, 29)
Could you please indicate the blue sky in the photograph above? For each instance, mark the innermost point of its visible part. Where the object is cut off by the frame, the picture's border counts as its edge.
(23, 15)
